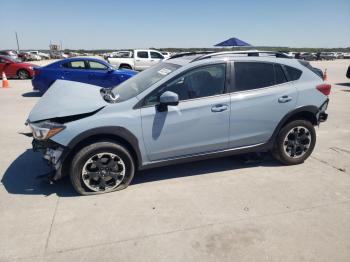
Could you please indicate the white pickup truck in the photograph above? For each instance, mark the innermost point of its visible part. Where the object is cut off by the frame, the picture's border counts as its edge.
(137, 60)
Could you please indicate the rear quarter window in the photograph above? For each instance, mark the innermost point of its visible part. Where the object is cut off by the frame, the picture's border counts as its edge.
(292, 73)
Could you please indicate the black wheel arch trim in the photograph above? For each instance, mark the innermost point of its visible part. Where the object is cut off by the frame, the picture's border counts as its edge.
(303, 109)
(115, 131)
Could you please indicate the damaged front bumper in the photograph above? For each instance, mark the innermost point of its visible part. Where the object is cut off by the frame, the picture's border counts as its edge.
(53, 153)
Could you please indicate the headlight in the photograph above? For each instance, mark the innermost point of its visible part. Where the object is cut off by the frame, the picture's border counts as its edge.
(45, 130)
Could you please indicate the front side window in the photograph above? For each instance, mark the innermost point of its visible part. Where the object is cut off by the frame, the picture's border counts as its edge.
(97, 66)
(200, 82)
(253, 75)
(156, 55)
(142, 54)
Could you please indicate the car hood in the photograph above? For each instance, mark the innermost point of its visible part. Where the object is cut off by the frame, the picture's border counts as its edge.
(66, 98)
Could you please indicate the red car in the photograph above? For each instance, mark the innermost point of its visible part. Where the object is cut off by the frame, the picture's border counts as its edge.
(16, 69)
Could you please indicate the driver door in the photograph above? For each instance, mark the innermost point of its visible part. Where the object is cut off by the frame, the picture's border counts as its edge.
(198, 124)
(99, 75)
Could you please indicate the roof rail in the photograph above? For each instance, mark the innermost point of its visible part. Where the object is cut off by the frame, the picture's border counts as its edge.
(248, 53)
(190, 53)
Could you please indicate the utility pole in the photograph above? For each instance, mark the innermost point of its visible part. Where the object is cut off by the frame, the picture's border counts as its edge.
(17, 42)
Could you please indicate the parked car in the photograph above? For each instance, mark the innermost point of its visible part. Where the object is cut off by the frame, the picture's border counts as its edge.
(15, 68)
(123, 53)
(139, 60)
(33, 56)
(85, 70)
(338, 55)
(23, 56)
(11, 54)
(346, 55)
(327, 56)
(183, 109)
(289, 54)
(40, 54)
(307, 57)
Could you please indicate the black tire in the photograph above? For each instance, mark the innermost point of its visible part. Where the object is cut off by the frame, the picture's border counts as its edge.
(125, 67)
(23, 74)
(81, 161)
(287, 152)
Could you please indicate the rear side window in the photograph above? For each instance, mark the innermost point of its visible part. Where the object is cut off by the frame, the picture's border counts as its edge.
(293, 73)
(75, 65)
(253, 75)
(279, 73)
(142, 54)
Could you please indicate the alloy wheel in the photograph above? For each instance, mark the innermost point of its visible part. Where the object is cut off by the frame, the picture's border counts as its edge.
(103, 172)
(297, 142)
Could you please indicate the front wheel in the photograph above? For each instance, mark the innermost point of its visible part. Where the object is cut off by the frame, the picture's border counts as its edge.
(295, 142)
(101, 167)
(23, 74)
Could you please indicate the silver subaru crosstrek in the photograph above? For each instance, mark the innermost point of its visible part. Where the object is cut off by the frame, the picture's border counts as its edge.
(189, 107)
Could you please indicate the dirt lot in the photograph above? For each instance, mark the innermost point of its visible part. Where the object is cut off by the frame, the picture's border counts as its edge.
(216, 210)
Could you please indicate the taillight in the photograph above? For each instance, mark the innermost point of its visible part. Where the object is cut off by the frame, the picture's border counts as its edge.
(324, 89)
(36, 71)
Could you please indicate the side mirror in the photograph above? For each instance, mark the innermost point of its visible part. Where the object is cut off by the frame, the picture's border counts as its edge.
(168, 98)
(110, 70)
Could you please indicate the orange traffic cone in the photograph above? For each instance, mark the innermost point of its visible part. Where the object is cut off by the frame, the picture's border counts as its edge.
(5, 82)
(325, 77)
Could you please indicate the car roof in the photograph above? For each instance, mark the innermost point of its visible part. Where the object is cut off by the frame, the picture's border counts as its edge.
(197, 59)
(72, 59)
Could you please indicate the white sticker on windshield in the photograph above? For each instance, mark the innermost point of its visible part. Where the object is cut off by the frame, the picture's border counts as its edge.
(164, 71)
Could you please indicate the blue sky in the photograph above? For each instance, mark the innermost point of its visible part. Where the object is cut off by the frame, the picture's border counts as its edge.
(98, 24)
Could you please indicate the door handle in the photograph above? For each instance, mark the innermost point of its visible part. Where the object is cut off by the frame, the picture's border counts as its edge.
(219, 108)
(284, 99)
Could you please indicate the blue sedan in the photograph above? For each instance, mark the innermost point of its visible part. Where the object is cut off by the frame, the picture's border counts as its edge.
(86, 70)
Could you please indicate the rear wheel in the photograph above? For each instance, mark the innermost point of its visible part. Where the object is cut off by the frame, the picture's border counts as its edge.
(23, 74)
(101, 167)
(295, 142)
(125, 67)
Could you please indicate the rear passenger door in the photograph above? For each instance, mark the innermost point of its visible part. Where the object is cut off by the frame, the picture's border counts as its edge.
(261, 96)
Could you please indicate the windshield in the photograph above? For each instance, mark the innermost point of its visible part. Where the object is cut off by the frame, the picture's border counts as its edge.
(140, 82)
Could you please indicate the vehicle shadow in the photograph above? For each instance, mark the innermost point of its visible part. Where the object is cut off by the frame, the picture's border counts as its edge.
(205, 167)
(21, 177)
(32, 94)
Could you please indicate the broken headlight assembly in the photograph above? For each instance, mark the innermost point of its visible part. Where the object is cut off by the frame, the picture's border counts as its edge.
(46, 129)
